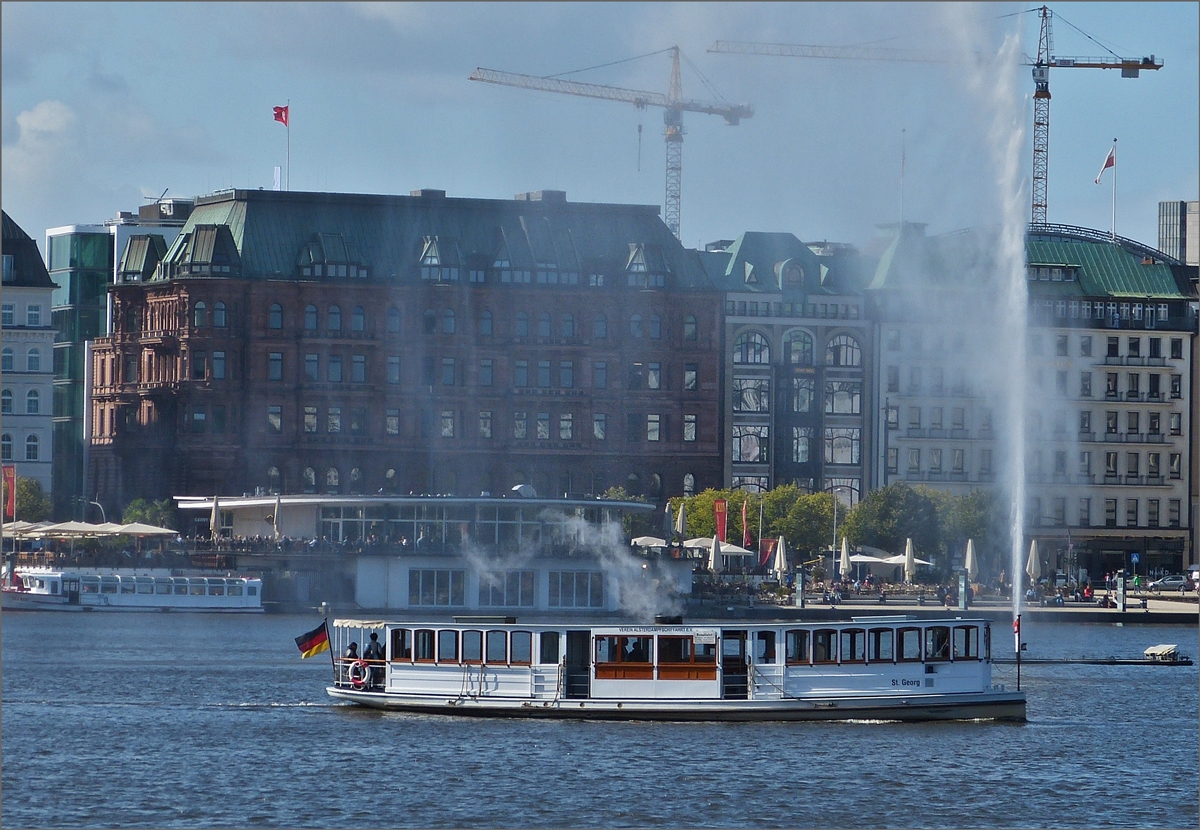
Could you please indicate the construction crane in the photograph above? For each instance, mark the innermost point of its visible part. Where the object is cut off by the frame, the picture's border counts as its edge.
(1130, 68)
(673, 104)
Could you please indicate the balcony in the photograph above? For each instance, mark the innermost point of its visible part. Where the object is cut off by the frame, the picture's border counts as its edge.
(915, 432)
(937, 432)
(1134, 395)
(1132, 478)
(1087, 436)
(1155, 481)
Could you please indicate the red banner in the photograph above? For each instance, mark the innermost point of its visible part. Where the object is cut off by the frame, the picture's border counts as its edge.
(768, 550)
(720, 513)
(10, 492)
(745, 529)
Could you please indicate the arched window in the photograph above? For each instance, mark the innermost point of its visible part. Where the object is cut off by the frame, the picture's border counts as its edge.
(393, 320)
(6, 402)
(600, 327)
(485, 323)
(332, 480)
(799, 348)
(655, 327)
(429, 321)
(689, 484)
(310, 480)
(33, 402)
(335, 318)
(274, 482)
(200, 314)
(522, 324)
(689, 327)
(448, 321)
(275, 316)
(310, 318)
(568, 325)
(655, 485)
(31, 448)
(219, 319)
(33, 361)
(358, 319)
(356, 480)
(635, 326)
(6, 360)
(843, 351)
(751, 347)
(543, 325)
(6, 447)
(633, 485)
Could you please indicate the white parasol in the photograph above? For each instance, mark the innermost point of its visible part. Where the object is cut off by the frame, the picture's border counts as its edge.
(714, 554)
(779, 562)
(214, 520)
(1033, 565)
(969, 563)
(844, 562)
(910, 561)
(648, 542)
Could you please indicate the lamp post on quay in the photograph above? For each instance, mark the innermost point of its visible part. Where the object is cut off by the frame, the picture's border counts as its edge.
(833, 550)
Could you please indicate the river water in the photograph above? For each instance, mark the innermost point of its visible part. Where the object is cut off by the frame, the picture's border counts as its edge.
(191, 720)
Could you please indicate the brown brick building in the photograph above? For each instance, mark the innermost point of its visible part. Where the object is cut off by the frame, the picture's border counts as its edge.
(316, 342)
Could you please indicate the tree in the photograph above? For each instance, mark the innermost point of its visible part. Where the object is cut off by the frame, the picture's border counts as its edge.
(634, 524)
(33, 505)
(808, 525)
(889, 516)
(159, 513)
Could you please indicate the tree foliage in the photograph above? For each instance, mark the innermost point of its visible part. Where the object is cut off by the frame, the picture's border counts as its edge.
(808, 525)
(159, 513)
(33, 505)
(634, 524)
(893, 514)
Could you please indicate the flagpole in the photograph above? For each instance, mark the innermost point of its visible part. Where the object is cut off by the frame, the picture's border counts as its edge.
(288, 185)
(1114, 193)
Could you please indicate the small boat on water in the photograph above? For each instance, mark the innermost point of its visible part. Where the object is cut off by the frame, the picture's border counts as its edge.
(869, 668)
(39, 588)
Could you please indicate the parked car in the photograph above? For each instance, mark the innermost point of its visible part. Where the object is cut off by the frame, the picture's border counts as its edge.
(1175, 582)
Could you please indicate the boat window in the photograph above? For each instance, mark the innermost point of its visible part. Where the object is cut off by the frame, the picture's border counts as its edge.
(824, 645)
(879, 645)
(522, 647)
(966, 642)
(423, 646)
(797, 646)
(128, 586)
(447, 646)
(108, 584)
(216, 587)
(674, 650)
(937, 643)
(145, 585)
(764, 647)
(606, 649)
(181, 586)
(89, 585)
(704, 652)
(472, 645)
(251, 590)
(908, 645)
(54, 586)
(197, 586)
(550, 647)
(987, 641)
(234, 587)
(401, 644)
(162, 585)
(497, 651)
(733, 647)
(854, 645)
(637, 650)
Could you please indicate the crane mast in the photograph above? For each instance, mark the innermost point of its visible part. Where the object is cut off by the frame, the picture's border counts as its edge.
(673, 105)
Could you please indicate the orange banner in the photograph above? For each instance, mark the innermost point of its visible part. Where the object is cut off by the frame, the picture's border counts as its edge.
(10, 492)
(721, 514)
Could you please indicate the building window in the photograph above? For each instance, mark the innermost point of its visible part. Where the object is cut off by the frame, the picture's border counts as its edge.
(1060, 345)
(310, 419)
(689, 427)
(1131, 512)
(802, 394)
(274, 419)
(893, 378)
(543, 374)
(448, 322)
(843, 351)
(335, 318)
(635, 326)
(566, 374)
(568, 325)
(447, 371)
(312, 368)
(566, 426)
(31, 448)
(750, 444)
(958, 460)
(689, 328)
(600, 327)
(335, 368)
(220, 320)
(8, 315)
(485, 323)
(1173, 507)
(654, 376)
(1175, 421)
(358, 319)
(6, 402)
(543, 426)
(485, 423)
(393, 369)
(843, 398)
(576, 589)
(544, 325)
(655, 327)
(33, 402)
(512, 589)
(1152, 514)
(1085, 384)
(600, 375)
(429, 321)
(1085, 343)
(436, 587)
(842, 446)
(914, 460)
(358, 368)
(358, 426)
(6, 447)
(333, 422)
(519, 426)
(391, 422)
(690, 373)
(599, 426)
(751, 395)
(275, 316)
(802, 444)
(522, 327)
(1176, 386)
(798, 348)
(200, 314)
(1175, 465)
(447, 421)
(218, 365)
(653, 427)
(275, 366)
(310, 318)
(751, 347)
(521, 373)
(7, 364)
(485, 371)
(893, 459)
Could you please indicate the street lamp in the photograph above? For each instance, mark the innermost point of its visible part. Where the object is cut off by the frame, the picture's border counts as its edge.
(833, 551)
(103, 515)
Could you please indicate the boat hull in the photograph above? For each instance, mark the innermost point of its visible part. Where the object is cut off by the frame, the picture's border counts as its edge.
(999, 706)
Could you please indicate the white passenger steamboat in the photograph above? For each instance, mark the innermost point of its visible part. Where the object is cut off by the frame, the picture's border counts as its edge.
(39, 588)
(890, 668)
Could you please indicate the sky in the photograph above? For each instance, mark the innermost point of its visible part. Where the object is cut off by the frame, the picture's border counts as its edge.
(104, 106)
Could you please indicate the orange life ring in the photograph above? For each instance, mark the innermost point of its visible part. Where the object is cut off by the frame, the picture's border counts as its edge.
(358, 673)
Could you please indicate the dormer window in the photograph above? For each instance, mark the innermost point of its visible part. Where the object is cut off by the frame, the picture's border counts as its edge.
(433, 266)
(751, 276)
(639, 273)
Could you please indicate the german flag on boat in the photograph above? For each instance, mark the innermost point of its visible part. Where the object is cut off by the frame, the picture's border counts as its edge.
(314, 642)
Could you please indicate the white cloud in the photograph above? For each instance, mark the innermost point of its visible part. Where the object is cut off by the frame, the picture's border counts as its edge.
(46, 133)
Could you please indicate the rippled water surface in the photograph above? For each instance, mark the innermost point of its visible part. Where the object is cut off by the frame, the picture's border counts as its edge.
(160, 720)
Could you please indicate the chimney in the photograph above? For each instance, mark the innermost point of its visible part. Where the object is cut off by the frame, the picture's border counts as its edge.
(426, 193)
(558, 196)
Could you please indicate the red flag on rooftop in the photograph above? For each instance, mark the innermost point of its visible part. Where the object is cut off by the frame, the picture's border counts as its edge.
(281, 115)
(1109, 161)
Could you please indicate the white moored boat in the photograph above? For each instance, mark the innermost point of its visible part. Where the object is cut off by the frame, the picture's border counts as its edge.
(127, 589)
(890, 668)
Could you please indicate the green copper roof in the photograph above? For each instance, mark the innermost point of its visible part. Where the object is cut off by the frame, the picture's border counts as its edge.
(1102, 269)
